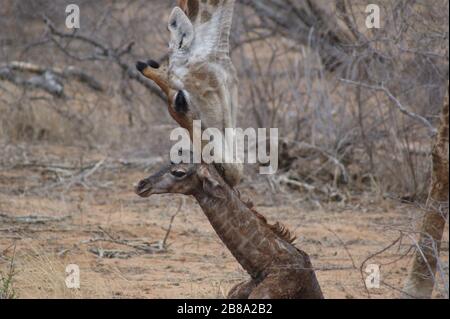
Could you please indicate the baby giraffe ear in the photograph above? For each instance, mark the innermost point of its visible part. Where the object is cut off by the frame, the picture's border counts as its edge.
(181, 30)
(210, 185)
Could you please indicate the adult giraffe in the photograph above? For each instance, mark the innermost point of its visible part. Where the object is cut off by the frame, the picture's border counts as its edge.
(199, 77)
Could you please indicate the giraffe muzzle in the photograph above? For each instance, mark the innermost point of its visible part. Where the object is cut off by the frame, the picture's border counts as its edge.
(143, 188)
(141, 66)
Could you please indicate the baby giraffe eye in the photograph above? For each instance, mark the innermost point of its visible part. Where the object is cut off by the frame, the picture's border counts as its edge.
(178, 173)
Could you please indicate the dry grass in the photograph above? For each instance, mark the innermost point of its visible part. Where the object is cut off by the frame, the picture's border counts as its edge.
(7, 290)
(196, 264)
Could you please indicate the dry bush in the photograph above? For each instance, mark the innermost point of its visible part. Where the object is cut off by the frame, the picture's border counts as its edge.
(369, 99)
(114, 116)
(311, 69)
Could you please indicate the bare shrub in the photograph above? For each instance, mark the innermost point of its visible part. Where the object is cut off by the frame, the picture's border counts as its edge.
(311, 69)
(368, 98)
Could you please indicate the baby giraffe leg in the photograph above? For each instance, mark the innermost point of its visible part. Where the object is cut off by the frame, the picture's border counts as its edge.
(242, 290)
(287, 285)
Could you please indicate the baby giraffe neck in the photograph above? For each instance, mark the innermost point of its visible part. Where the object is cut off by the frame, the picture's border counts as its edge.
(245, 235)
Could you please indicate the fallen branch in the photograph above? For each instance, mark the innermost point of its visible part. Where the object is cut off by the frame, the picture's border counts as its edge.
(67, 72)
(289, 181)
(33, 219)
(145, 247)
(149, 248)
(46, 81)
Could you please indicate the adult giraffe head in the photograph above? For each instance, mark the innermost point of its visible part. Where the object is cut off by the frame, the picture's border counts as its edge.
(199, 78)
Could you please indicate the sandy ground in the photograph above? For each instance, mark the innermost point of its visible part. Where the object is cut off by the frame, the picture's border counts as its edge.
(52, 214)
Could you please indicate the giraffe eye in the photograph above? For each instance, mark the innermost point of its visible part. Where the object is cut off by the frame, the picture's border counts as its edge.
(178, 173)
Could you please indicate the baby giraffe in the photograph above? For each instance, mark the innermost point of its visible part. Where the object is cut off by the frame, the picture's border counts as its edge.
(278, 270)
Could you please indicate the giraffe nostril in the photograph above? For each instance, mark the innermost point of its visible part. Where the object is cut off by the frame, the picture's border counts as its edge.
(141, 185)
(140, 66)
(153, 64)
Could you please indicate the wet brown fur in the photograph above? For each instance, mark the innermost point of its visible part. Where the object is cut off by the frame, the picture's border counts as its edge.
(277, 268)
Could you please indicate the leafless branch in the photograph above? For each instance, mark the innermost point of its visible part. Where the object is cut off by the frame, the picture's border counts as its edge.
(103, 52)
(166, 236)
(397, 103)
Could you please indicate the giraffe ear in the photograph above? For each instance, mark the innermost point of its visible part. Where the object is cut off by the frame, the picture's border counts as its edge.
(181, 30)
(210, 185)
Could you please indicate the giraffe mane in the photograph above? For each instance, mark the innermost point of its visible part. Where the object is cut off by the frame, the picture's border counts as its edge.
(279, 229)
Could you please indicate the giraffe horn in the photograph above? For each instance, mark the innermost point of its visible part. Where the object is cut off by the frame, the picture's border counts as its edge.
(157, 73)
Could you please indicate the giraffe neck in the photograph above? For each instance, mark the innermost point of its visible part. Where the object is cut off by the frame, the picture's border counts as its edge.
(200, 11)
(249, 240)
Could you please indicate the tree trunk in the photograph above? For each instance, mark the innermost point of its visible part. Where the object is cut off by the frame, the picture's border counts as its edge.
(421, 278)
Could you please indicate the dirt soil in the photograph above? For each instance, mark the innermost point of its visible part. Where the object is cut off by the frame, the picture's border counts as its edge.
(70, 205)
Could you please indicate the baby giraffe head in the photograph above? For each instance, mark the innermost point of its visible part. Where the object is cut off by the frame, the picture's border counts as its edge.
(187, 179)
